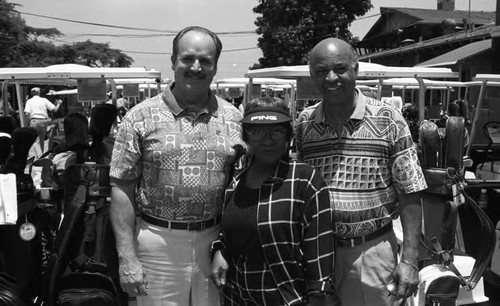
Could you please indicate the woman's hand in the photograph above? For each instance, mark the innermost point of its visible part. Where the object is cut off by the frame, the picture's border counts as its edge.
(219, 270)
(323, 299)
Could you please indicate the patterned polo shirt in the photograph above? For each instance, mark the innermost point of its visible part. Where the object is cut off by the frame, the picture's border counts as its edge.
(176, 156)
(365, 168)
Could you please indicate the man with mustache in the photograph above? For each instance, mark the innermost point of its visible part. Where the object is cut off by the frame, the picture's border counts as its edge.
(365, 152)
(167, 173)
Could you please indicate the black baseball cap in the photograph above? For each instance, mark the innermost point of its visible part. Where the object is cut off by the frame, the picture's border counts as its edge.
(266, 115)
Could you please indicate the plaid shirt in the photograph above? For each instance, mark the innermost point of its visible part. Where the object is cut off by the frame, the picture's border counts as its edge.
(297, 241)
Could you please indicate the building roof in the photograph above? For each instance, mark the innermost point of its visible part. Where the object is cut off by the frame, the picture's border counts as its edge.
(458, 38)
(415, 16)
(459, 54)
(437, 16)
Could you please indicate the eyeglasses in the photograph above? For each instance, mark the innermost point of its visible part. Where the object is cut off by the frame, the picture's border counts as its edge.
(261, 132)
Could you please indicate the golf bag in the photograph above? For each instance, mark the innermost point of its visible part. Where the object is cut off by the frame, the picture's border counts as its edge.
(442, 164)
(84, 267)
(26, 244)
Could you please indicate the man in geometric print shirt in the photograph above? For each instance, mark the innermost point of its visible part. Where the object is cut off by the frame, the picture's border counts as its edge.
(168, 169)
(364, 150)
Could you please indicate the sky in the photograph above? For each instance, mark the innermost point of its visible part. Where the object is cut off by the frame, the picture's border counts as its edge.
(152, 51)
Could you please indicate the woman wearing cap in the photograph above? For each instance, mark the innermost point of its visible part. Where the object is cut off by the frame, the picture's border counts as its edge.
(276, 243)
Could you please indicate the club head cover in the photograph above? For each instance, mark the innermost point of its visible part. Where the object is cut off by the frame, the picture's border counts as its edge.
(102, 118)
(8, 124)
(76, 132)
(5, 147)
(22, 140)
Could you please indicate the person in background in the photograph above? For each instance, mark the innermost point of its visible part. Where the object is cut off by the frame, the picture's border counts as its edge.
(121, 102)
(9, 106)
(410, 113)
(365, 152)
(276, 244)
(167, 168)
(36, 110)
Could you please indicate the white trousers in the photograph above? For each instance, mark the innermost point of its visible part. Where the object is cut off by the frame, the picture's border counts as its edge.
(177, 266)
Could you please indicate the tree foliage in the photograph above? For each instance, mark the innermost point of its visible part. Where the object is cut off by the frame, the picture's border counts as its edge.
(289, 29)
(25, 46)
(93, 54)
(18, 43)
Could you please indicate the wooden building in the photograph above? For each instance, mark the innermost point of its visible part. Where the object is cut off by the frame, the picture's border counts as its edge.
(407, 37)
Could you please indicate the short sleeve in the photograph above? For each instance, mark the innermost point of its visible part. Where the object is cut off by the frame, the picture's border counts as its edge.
(406, 172)
(49, 105)
(125, 161)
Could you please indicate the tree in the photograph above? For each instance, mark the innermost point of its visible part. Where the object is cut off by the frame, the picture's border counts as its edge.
(289, 29)
(93, 54)
(18, 43)
(25, 46)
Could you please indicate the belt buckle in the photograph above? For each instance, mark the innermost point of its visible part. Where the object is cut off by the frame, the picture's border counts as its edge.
(191, 226)
(363, 239)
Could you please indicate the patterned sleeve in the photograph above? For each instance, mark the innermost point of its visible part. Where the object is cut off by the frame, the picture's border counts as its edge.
(299, 133)
(318, 245)
(406, 172)
(125, 161)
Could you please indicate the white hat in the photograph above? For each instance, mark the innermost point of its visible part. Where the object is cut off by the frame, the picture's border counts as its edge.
(35, 89)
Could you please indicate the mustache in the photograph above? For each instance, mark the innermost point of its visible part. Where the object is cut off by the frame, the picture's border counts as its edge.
(195, 75)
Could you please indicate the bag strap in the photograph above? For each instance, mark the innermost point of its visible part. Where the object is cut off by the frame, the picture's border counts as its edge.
(488, 236)
(86, 259)
(445, 257)
(70, 222)
(93, 204)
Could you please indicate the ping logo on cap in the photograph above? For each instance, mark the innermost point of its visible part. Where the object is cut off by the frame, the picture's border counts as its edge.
(263, 117)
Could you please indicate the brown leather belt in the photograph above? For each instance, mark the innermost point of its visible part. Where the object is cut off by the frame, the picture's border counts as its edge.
(354, 241)
(189, 226)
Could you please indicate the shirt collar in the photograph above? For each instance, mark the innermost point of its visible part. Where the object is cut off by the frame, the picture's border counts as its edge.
(168, 97)
(279, 173)
(359, 112)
